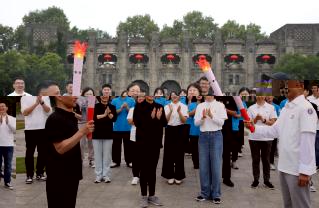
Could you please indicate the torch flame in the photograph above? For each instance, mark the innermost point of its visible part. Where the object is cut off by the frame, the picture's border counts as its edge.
(79, 49)
(203, 64)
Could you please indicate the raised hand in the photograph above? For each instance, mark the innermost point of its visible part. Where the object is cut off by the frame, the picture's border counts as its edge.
(170, 107)
(159, 113)
(259, 117)
(209, 113)
(88, 128)
(153, 114)
(179, 109)
(204, 114)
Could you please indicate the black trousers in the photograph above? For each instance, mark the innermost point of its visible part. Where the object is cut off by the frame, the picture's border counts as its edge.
(148, 156)
(35, 139)
(173, 159)
(117, 147)
(61, 193)
(236, 144)
(136, 169)
(273, 151)
(187, 142)
(227, 148)
(194, 150)
(260, 150)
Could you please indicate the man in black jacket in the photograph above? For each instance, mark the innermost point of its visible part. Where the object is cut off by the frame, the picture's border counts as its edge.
(149, 119)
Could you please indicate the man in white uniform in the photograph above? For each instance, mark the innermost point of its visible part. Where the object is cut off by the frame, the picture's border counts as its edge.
(296, 131)
(19, 86)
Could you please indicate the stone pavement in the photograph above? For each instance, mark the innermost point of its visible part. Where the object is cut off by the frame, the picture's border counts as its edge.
(121, 194)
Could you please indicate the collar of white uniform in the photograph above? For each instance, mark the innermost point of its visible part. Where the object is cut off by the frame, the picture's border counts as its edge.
(296, 101)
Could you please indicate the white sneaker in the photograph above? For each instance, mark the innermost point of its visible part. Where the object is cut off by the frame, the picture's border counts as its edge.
(135, 180)
(312, 188)
(170, 181)
(8, 186)
(240, 154)
(178, 182)
(272, 167)
(234, 165)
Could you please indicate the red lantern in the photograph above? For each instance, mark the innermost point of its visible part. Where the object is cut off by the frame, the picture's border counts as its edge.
(233, 57)
(139, 57)
(170, 57)
(265, 58)
(107, 57)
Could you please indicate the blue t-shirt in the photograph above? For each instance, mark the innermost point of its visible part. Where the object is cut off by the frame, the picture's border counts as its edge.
(160, 100)
(194, 130)
(121, 123)
(283, 103)
(183, 100)
(235, 121)
(277, 108)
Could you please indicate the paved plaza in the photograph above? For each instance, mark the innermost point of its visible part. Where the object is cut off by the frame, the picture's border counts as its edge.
(121, 194)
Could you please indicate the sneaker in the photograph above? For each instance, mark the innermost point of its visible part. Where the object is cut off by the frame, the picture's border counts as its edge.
(135, 181)
(312, 188)
(216, 201)
(144, 202)
(97, 180)
(200, 198)
(178, 182)
(41, 177)
(234, 165)
(254, 184)
(154, 200)
(91, 164)
(107, 180)
(228, 183)
(8, 186)
(272, 167)
(129, 165)
(114, 165)
(170, 181)
(269, 185)
(29, 180)
(240, 154)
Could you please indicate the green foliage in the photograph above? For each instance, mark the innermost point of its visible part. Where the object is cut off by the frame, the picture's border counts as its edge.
(6, 38)
(232, 29)
(32, 68)
(138, 26)
(82, 35)
(299, 66)
(195, 23)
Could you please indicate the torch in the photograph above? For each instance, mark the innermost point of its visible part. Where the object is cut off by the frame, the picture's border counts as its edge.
(90, 111)
(205, 67)
(243, 112)
(79, 51)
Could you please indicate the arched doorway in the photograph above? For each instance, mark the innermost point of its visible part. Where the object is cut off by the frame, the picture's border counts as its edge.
(143, 85)
(171, 85)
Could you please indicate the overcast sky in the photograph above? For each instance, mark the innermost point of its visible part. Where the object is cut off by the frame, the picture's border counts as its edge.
(106, 15)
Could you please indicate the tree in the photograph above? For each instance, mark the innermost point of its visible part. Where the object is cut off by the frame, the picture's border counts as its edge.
(6, 38)
(82, 35)
(232, 29)
(195, 23)
(299, 66)
(138, 26)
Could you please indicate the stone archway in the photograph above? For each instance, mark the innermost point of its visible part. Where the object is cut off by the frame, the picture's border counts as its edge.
(171, 85)
(143, 85)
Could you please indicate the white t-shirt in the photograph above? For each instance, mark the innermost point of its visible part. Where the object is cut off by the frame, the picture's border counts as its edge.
(22, 94)
(37, 118)
(296, 131)
(210, 124)
(133, 129)
(7, 131)
(267, 111)
(174, 119)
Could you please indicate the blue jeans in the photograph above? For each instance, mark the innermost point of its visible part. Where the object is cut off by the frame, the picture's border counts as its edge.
(102, 158)
(210, 147)
(317, 148)
(6, 153)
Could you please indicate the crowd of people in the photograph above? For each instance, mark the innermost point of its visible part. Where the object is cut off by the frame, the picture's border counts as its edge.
(192, 122)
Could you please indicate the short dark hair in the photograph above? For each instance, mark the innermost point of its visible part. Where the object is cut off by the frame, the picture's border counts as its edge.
(68, 82)
(18, 78)
(122, 93)
(106, 85)
(87, 89)
(202, 78)
(45, 85)
(243, 89)
(132, 85)
(158, 89)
